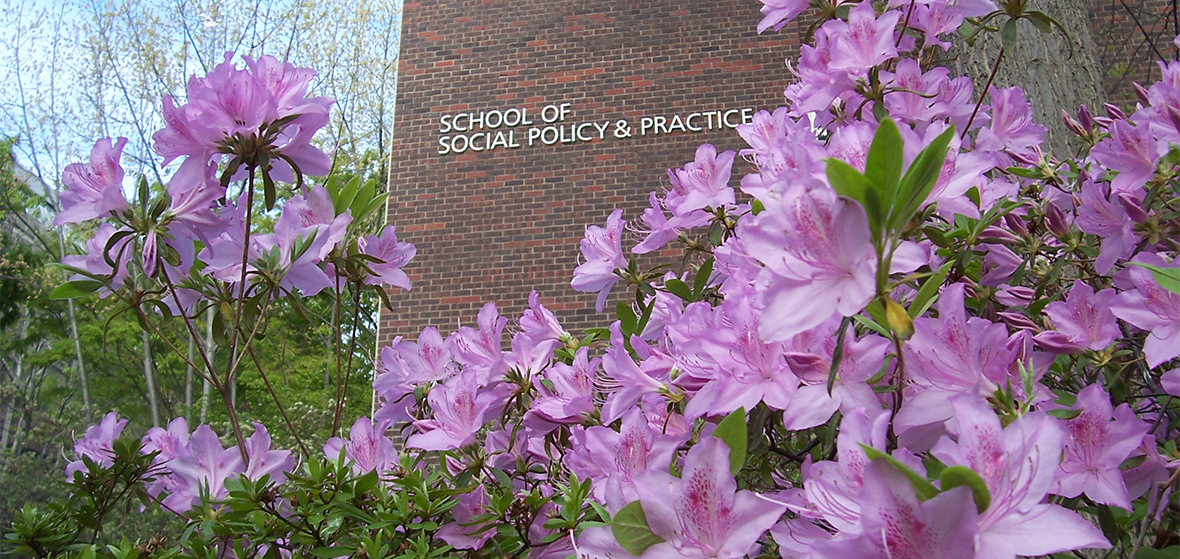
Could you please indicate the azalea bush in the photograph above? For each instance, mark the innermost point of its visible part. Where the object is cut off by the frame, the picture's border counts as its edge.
(907, 332)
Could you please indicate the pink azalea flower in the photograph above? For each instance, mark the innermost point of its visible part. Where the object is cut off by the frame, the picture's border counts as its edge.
(1132, 152)
(917, 95)
(540, 324)
(819, 261)
(463, 532)
(429, 360)
(1170, 381)
(460, 409)
(898, 526)
(95, 262)
(263, 460)
(1083, 321)
(1018, 464)
(810, 357)
(171, 443)
(394, 391)
(316, 211)
(949, 355)
(625, 381)
(1012, 126)
(571, 399)
(394, 256)
(96, 444)
(613, 459)
(702, 183)
(778, 13)
(659, 229)
(1098, 215)
(832, 488)
(701, 514)
(602, 250)
(479, 349)
(1099, 440)
(230, 103)
(865, 40)
(367, 448)
(1152, 308)
(93, 189)
(299, 271)
(204, 469)
(749, 370)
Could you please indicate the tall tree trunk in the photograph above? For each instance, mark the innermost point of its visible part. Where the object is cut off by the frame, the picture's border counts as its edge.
(18, 372)
(188, 380)
(150, 380)
(72, 313)
(1042, 65)
(211, 351)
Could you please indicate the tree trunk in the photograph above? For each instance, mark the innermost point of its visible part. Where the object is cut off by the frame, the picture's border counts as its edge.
(149, 379)
(211, 351)
(188, 380)
(1042, 65)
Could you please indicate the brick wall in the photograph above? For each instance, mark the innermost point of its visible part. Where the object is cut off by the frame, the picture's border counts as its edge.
(490, 226)
(1132, 36)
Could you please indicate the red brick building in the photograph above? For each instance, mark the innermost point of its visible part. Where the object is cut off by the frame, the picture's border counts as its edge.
(507, 140)
(501, 216)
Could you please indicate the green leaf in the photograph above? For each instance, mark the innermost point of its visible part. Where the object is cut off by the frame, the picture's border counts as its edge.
(850, 183)
(922, 486)
(630, 529)
(679, 289)
(627, 317)
(959, 476)
(1167, 278)
(1064, 414)
(701, 281)
(926, 293)
(1041, 21)
(366, 482)
(76, 288)
(732, 432)
(1151, 553)
(363, 197)
(335, 551)
(268, 187)
(885, 160)
(919, 179)
(347, 194)
(1008, 35)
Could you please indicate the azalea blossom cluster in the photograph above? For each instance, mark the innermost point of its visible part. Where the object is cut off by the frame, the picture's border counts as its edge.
(907, 332)
(238, 124)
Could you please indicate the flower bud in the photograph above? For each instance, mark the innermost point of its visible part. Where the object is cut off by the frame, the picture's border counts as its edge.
(997, 235)
(1103, 122)
(899, 321)
(1053, 341)
(1055, 221)
(1024, 159)
(1016, 223)
(1018, 320)
(1114, 112)
(1173, 117)
(1015, 295)
(1141, 93)
(1133, 207)
(1085, 118)
(1072, 124)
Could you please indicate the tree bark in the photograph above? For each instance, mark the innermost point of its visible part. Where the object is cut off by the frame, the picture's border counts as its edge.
(149, 378)
(1042, 65)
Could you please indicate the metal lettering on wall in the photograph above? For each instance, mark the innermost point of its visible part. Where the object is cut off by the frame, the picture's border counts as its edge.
(516, 127)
